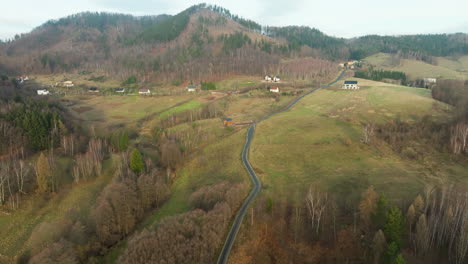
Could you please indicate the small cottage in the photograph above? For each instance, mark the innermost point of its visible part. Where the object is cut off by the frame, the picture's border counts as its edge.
(119, 90)
(191, 88)
(68, 84)
(276, 79)
(274, 90)
(144, 91)
(350, 85)
(268, 78)
(43, 92)
(228, 121)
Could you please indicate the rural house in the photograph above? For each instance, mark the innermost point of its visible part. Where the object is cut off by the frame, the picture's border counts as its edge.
(68, 84)
(191, 88)
(274, 90)
(144, 91)
(93, 90)
(276, 79)
(268, 78)
(43, 92)
(119, 90)
(429, 82)
(350, 85)
(228, 121)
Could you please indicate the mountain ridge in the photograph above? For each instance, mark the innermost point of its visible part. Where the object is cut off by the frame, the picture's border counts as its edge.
(122, 44)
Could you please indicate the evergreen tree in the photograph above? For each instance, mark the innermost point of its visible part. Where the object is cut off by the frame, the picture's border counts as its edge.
(391, 254)
(136, 161)
(399, 260)
(394, 226)
(378, 218)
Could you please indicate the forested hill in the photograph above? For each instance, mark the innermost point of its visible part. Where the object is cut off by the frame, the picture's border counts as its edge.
(185, 45)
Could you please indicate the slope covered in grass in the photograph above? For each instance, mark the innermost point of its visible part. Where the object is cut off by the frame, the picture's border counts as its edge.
(446, 68)
(318, 143)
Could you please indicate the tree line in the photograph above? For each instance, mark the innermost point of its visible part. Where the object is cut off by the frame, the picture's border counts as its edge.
(378, 75)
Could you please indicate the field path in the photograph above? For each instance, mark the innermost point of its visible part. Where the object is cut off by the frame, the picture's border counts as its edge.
(257, 185)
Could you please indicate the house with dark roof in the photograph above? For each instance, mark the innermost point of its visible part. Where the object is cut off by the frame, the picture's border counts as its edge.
(350, 85)
(191, 88)
(228, 121)
(93, 90)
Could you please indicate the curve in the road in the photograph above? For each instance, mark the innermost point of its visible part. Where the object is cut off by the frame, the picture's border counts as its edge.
(257, 185)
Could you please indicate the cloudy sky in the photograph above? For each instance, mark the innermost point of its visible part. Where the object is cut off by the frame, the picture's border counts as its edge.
(339, 17)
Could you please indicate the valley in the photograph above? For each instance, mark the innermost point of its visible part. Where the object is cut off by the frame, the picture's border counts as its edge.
(205, 137)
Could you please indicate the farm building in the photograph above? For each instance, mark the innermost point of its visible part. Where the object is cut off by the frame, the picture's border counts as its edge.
(268, 78)
(428, 81)
(350, 85)
(276, 79)
(93, 90)
(191, 88)
(119, 90)
(274, 90)
(43, 92)
(228, 121)
(68, 84)
(144, 91)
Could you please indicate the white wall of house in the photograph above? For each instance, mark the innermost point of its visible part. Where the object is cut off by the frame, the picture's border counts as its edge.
(350, 86)
(42, 92)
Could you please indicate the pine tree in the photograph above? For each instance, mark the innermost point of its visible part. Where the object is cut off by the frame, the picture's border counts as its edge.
(136, 161)
(394, 226)
(399, 260)
(378, 218)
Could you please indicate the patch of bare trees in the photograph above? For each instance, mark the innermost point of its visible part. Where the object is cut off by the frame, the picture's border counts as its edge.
(317, 204)
(459, 138)
(192, 237)
(442, 222)
(89, 164)
(368, 133)
(123, 202)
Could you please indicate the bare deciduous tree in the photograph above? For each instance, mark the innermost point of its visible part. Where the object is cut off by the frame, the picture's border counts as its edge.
(379, 244)
(316, 204)
(368, 133)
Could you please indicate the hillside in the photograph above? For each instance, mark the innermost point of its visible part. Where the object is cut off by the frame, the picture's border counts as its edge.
(201, 42)
(441, 67)
(313, 156)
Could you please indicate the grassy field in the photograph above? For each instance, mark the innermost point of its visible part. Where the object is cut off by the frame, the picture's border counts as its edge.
(238, 82)
(318, 143)
(446, 68)
(105, 111)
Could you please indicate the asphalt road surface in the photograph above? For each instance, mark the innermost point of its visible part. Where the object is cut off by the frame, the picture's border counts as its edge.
(257, 185)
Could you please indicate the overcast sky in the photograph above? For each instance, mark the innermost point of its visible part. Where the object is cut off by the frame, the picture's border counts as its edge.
(338, 18)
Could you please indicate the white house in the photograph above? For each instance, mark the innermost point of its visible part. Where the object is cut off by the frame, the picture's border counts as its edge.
(274, 90)
(430, 80)
(119, 90)
(350, 85)
(68, 84)
(43, 92)
(276, 79)
(144, 91)
(191, 88)
(268, 78)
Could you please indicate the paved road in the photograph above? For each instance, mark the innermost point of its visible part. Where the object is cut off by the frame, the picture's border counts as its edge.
(257, 185)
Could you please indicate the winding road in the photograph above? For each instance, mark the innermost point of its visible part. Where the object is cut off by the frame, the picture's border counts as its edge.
(257, 185)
